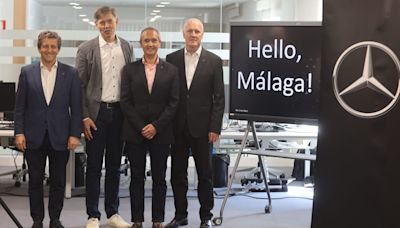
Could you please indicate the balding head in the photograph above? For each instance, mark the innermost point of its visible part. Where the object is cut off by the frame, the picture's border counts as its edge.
(193, 31)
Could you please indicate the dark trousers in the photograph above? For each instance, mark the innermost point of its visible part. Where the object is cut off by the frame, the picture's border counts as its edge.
(36, 159)
(201, 152)
(106, 139)
(158, 162)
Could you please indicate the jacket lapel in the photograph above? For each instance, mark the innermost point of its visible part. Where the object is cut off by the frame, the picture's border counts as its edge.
(142, 77)
(159, 73)
(183, 69)
(125, 50)
(38, 82)
(60, 76)
(200, 65)
(97, 61)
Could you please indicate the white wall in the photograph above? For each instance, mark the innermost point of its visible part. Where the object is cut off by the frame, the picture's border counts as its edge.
(6, 13)
(275, 10)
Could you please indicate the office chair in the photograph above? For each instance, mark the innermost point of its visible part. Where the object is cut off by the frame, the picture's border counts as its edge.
(19, 174)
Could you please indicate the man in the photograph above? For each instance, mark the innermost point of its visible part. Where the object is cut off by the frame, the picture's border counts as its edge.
(149, 99)
(198, 121)
(47, 125)
(99, 62)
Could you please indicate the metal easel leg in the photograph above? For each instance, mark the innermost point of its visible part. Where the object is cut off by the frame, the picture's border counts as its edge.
(268, 208)
(4, 205)
(218, 220)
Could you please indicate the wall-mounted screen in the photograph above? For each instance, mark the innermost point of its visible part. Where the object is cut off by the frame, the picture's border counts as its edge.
(275, 71)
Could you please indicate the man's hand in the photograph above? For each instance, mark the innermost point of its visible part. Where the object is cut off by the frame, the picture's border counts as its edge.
(88, 125)
(20, 142)
(73, 142)
(212, 137)
(149, 131)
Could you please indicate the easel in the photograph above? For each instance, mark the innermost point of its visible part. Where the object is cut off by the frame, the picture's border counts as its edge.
(263, 168)
(250, 126)
(4, 205)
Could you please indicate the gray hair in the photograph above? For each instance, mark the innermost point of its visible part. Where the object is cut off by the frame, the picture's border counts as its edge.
(150, 29)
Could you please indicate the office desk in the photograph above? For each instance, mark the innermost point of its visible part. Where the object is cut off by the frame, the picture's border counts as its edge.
(297, 134)
(70, 178)
(291, 134)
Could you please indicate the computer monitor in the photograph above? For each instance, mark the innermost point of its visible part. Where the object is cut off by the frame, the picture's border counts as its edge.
(7, 98)
(275, 71)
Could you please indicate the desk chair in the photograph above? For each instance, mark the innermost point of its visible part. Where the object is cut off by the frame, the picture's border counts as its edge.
(19, 174)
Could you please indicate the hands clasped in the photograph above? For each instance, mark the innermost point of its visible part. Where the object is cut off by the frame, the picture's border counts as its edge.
(149, 131)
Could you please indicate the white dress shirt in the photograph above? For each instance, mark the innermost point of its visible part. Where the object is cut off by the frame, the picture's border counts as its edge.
(112, 61)
(48, 80)
(191, 61)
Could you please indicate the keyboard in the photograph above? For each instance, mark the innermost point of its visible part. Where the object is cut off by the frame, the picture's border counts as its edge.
(6, 125)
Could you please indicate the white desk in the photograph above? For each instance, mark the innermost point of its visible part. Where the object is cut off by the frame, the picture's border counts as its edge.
(305, 135)
(289, 135)
(70, 177)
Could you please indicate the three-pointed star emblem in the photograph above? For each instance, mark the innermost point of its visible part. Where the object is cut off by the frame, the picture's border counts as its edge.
(367, 79)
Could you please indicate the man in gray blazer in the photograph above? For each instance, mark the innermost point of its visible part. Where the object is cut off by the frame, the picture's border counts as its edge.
(99, 62)
(198, 121)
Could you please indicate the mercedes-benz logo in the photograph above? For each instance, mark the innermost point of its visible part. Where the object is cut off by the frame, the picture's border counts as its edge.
(367, 79)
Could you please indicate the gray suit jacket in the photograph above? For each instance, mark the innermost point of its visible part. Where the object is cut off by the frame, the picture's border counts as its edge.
(88, 63)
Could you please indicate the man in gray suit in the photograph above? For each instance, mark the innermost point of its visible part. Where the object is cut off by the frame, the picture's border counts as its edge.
(99, 62)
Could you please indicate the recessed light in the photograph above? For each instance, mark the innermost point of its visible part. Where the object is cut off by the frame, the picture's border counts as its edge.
(153, 14)
(165, 3)
(82, 15)
(160, 6)
(85, 19)
(73, 4)
(156, 11)
(78, 7)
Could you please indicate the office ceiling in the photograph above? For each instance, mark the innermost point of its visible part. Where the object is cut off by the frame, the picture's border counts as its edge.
(173, 3)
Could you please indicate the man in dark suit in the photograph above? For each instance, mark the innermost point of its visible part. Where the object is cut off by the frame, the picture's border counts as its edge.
(47, 124)
(99, 62)
(149, 99)
(198, 121)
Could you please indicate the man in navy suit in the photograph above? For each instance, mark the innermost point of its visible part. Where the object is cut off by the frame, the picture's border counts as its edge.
(198, 121)
(149, 99)
(47, 124)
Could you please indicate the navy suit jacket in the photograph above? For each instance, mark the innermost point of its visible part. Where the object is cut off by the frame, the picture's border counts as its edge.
(61, 118)
(141, 108)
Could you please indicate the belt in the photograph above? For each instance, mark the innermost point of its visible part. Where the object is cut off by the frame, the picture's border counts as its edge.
(109, 105)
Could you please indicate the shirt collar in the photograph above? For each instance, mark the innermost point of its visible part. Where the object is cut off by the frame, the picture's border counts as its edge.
(53, 67)
(144, 61)
(197, 52)
(102, 42)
